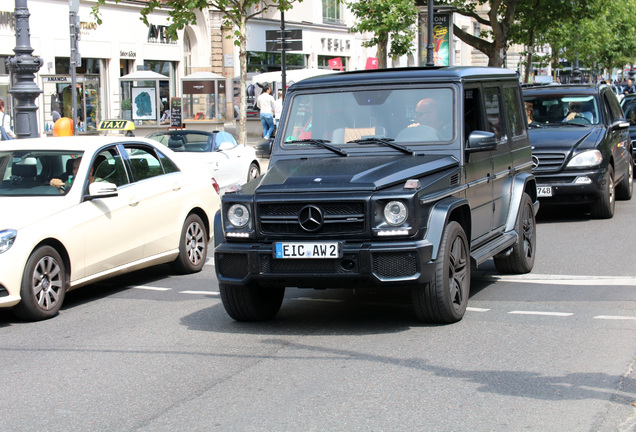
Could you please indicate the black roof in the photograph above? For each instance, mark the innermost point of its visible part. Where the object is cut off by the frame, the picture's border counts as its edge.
(406, 75)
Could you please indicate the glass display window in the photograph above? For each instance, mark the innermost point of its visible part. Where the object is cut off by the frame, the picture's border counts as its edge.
(203, 97)
(141, 97)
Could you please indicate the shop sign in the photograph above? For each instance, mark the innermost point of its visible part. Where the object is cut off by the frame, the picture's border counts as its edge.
(198, 87)
(159, 34)
(127, 54)
(333, 44)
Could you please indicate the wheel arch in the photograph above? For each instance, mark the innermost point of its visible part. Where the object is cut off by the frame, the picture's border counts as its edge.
(204, 217)
(61, 249)
(522, 183)
(443, 212)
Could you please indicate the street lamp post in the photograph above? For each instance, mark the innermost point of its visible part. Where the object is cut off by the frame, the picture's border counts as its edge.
(23, 67)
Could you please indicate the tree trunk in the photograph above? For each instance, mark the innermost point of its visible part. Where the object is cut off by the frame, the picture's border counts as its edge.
(383, 40)
(530, 52)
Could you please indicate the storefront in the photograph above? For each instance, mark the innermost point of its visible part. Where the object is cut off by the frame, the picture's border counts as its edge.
(204, 98)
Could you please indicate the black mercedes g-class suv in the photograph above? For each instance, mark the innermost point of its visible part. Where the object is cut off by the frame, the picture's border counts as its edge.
(385, 178)
(581, 146)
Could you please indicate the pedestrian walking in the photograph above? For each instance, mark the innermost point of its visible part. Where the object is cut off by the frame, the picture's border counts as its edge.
(278, 107)
(5, 126)
(265, 102)
(630, 87)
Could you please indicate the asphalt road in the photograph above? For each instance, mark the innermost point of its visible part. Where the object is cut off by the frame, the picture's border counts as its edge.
(549, 351)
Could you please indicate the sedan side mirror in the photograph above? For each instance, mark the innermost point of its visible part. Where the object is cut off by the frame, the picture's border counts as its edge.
(101, 190)
(481, 141)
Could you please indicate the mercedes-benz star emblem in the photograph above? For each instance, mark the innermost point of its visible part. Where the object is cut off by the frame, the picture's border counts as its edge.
(535, 162)
(310, 218)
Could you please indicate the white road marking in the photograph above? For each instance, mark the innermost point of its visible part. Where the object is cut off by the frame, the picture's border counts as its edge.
(614, 317)
(151, 288)
(473, 309)
(214, 293)
(567, 279)
(561, 314)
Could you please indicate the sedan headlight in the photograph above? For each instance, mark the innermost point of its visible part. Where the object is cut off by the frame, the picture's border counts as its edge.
(238, 215)
(395, 213)
(7, 237)
(586, 159)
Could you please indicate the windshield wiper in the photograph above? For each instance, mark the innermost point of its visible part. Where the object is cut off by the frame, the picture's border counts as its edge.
(576, 124)
(386, 141)
(321, 143)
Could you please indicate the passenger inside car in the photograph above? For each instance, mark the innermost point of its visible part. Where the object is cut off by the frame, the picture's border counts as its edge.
(65, 184)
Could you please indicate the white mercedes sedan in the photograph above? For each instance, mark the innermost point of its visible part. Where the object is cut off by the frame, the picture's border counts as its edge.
(77, 210)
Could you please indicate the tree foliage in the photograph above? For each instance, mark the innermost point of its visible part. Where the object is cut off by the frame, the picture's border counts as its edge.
(386, 19)
(235, 14)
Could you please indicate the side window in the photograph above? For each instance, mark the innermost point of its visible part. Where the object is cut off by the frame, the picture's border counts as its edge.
(143, 162)
(167, 164)
(512, 101)
(613, 107)
(109, 167)
(494, 120)
(472, 118)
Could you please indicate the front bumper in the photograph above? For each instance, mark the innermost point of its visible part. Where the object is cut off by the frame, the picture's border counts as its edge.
(574, 186)
(362, 264)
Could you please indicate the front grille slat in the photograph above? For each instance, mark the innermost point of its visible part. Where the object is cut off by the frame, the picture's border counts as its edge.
(549, 162)
(280, 218)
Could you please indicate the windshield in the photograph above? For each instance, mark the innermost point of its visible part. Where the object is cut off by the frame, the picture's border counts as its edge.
(35, 173)
(184, 141)
(559, 109)
(409, 115)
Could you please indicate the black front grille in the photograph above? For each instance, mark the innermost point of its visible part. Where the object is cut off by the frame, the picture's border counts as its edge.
(339, 217)
(549, 162)
(395, 264)
(269, 265)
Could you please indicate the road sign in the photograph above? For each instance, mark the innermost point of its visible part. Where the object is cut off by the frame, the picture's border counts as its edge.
(293, 34)
(290, 45)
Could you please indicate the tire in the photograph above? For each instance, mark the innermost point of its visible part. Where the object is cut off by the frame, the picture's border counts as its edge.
(193, 246)
(253, 172)
(603, 208)
(251, 303)
(521, 260)
(444, 300)
(625, 188)
(44, 285)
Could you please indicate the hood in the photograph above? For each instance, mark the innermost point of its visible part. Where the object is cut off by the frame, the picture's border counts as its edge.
(564, 138)
(20, 212)
(363, 173)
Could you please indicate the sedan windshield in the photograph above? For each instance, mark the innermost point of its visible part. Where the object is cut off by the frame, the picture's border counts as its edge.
(37, 172)
(409, 115)
(562, 109)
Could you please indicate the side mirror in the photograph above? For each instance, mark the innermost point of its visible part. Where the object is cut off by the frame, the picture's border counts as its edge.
(481, 141)
(264, 148)
(619, 124)
(101, 190)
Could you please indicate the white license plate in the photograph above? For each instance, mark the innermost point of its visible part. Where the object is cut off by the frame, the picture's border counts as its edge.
(307, 250)
(544, 191)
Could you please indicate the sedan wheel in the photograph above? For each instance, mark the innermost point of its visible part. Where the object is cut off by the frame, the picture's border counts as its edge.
(193, 246)
(44, 285)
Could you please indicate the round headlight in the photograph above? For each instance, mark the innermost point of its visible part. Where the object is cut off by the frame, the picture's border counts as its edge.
(395, 213)
(238, 215)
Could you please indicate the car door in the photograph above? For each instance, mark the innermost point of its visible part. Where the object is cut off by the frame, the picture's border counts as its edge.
(111, 227)
(619, 137)
(158, 189)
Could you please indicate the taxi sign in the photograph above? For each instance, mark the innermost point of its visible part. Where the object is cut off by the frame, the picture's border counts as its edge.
(117, 125)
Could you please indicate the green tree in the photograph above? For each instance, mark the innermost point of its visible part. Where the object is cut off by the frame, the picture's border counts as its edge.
(236, 13)
(394, 19)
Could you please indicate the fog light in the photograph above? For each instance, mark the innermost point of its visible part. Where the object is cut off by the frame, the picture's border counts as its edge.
(583, 180)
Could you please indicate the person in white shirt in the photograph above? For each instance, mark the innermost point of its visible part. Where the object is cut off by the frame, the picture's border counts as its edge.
(278, 107)
(265, 103)
(6, 120)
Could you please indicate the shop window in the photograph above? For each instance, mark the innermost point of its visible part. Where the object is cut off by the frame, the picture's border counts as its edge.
(269, 62)
(58, 101)
(323, 62)
(88, 66)
(203, 100)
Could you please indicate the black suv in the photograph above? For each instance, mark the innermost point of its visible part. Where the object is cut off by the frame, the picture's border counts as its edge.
(384, 178)
(581, 147)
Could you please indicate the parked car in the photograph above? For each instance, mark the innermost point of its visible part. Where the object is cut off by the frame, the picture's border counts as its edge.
(384, 179)
(581, 147)
(77, 210)
(227, 161)
(629, 108)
